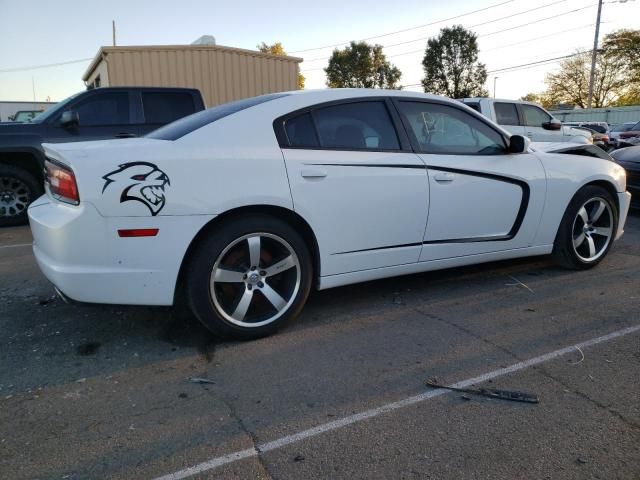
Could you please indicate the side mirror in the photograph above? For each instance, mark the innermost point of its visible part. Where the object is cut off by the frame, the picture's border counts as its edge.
(552, 124)
(518, 144)
(70, 118)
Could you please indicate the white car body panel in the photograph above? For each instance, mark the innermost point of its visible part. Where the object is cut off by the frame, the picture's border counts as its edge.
(335, 198)
(369, 221)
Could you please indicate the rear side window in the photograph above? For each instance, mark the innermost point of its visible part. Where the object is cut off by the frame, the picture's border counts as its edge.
(104, 109)
(301, 132)
(534, 116)
(357, 126)
(186, 125)
(161, 108)
(506, 113)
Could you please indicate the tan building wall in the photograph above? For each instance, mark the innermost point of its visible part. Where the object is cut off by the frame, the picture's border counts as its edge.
(222, 74)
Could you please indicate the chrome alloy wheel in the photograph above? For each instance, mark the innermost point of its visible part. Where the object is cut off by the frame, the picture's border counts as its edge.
(255, 280)
(592, 229)
(14, 197)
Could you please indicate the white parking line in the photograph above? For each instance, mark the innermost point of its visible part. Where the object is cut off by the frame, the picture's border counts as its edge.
(374, 412)
(17, 245)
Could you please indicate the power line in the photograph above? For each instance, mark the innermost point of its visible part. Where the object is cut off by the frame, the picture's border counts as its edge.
(36, 67)
(479, 36)
(405, 29)
(472, 26)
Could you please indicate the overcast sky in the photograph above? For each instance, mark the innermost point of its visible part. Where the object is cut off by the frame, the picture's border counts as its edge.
(37, 32)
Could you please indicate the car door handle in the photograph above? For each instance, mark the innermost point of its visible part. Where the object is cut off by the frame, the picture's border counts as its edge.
(313, 173)
(444, 177)
(125, 135)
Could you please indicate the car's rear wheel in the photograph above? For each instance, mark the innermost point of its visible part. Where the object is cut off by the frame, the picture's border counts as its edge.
(249, 276)
(587, 229)
(18, 188)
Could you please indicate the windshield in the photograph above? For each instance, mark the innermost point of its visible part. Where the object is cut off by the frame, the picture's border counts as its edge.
(55, 109)
(622, 128)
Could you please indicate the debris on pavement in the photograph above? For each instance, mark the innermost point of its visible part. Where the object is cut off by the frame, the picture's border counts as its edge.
(491, 393)
(87, 348)
(201, 380)
(46, 301)
(581, 359)
(517, 284)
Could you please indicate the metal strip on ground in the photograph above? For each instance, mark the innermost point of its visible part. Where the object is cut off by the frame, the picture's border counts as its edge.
(374, 412)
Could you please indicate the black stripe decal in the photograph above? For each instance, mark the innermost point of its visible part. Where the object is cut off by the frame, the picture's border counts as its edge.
(370, 165)
(524, 204)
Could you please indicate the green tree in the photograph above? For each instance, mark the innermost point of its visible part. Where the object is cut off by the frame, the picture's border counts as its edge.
(451, 65)
(539, 98)
(278, 49)
(624, 46)
(571, 83)
(361, 65)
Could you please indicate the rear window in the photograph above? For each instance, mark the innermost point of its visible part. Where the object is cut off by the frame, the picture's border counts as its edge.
(163, 107)
(474, 105)
(186, 125)
(506, 114)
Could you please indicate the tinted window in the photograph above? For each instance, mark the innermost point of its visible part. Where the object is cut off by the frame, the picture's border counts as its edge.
(534, 116)
(474, 105)
(596, 127)
(361, 125)
(506, 114)
(301, 132)
(104, 109)
(166, 107)
(443, 129)
(625, 127)
(182, 127)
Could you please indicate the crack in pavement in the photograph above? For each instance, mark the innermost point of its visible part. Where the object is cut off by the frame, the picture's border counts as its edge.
(240, 422)
(538, 368)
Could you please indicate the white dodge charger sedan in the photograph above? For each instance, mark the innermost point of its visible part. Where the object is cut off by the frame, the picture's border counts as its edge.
(242, 209)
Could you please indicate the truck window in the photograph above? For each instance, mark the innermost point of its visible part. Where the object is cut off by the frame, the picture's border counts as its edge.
(474, 105)
(534, 116)
(506, 113)
(104, 109)
(165, 107)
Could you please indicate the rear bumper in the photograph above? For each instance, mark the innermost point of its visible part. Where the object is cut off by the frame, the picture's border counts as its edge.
(80, 252)
(624, 200)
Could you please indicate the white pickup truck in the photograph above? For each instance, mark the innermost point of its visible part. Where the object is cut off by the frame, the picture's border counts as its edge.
(527, 119)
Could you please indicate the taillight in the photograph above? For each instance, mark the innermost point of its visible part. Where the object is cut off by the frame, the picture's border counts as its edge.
(61, 182)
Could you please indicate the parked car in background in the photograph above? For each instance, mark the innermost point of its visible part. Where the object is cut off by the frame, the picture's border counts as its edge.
(631, 137)
(616, 130)
(600, 127)
(25, 115)
(241, 209)
(629, 159)
(599, 139)
(527, 119)
(101, 113)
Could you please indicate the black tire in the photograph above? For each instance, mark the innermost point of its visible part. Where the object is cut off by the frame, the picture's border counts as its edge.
(572, 229)
(18, 188)
(214, 304)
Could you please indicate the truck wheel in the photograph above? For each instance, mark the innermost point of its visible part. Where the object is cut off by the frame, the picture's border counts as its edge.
(18, 188)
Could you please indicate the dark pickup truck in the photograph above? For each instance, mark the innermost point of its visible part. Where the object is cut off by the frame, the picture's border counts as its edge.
(98, 114)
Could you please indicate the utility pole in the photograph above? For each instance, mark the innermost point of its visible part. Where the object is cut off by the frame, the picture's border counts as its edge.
(113, 31)
(494, 86)
(594, 55)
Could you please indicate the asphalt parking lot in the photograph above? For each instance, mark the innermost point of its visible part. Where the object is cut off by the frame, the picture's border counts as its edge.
(94, 391)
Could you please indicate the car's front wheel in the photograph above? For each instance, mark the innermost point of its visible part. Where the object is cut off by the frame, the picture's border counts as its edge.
(249, 276)
(587, 230)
